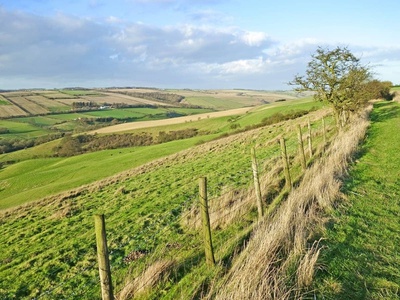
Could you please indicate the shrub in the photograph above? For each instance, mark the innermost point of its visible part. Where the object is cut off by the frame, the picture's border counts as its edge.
(4, 130)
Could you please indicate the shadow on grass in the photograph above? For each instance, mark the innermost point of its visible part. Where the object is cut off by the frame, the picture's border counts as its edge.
(384, 111)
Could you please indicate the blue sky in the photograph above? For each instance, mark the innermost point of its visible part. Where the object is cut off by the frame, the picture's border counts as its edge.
(204, 44)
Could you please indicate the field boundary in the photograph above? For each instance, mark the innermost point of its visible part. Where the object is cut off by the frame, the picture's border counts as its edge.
(171, 121)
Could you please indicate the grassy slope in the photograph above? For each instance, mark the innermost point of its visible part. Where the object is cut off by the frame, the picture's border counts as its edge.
(57, 254)
(362, 260)
(45, 176)
(15, 128)
(36, 178)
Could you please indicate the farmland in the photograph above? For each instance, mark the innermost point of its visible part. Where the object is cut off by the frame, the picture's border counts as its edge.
(145, 209)
(94, 166)
(31, 114)
(38, 102)
(149, 194)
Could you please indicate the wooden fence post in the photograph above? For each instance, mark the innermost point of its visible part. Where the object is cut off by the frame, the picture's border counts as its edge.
(301, 148)
(208, 247)
(257, 183)
(104, 262)
(310, 151)
(288, 180)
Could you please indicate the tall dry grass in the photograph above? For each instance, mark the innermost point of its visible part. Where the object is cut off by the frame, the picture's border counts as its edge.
(234, 203)
(150, 277)
(281, 257)
(396, 96)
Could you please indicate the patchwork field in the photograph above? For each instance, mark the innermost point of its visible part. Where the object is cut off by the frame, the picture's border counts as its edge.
(53, 106)
(9, 110)
(166, 122)
(106, 163)
(37, 102)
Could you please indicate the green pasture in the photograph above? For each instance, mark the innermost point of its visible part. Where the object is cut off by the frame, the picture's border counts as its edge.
(144, 113)
(70, 116)
(361, 248)
(30, 127)
(255, 115)
(32, 179)
(41, 121)
(259, 113)
(21, 130)
(40, 151)
(56, 257)
(120, 113)
(107, 163)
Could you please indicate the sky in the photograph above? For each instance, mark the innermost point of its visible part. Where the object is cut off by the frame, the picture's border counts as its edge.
(196, 44)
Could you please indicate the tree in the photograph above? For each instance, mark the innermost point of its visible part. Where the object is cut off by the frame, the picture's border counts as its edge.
(336, 77)
(376, 89)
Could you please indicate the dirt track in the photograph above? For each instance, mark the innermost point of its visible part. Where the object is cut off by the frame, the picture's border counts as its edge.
(164, 122)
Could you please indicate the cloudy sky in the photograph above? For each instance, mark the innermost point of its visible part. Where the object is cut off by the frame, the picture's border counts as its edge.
(204, 44)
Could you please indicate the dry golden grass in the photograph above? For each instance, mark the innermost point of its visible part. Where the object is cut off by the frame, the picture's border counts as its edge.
(155, 273)
(233, 204)
(279, 262)
(57, 95)
(178, 120)
(43, 101)
(7, 111)
(28, 105)
(223, 210)
(120, 98)
(396, 96)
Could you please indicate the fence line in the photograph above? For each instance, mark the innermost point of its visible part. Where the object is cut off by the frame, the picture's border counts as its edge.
(185, 208)
(290, 145)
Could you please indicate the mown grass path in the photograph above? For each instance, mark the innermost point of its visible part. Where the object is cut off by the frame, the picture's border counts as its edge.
(362, 255)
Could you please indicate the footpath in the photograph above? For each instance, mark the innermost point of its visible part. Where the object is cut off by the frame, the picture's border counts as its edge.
(361, 258)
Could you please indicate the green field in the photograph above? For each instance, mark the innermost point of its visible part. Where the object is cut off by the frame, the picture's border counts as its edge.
(144, 113)
(31, 127)
(53, 175)
(21, 130)
(32, 179)
(149, 196)
(145, 211)
(255, 116)
(361, 259)
(40, 121)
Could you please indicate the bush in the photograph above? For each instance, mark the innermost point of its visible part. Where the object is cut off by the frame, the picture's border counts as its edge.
(235, 126)
(279, 117)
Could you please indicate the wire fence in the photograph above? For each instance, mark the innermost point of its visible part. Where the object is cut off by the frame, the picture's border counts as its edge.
(170, 244)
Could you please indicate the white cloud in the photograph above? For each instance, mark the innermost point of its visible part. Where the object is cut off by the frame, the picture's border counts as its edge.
(114, 20)
(254, 38)
(67, 51)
